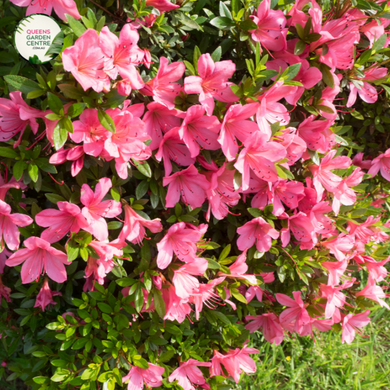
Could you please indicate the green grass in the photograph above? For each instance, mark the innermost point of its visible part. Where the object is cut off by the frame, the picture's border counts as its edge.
(300, 363)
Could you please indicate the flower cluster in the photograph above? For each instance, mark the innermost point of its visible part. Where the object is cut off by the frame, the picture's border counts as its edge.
(210, 194)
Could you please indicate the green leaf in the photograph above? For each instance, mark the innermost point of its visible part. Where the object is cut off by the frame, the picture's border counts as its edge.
(379, 43)
(196, 55)
(22, 84)
(143, 167)
(225, 252)
(314, 156)
(159, 303)
(237, 180)
(55, 104)
(141, 189)
(299, 47)
(54, 198)
(222, 23)
(43, 163)
(75, 109)
(216, 54)
(235, 6)
(140, 362)
(71, 91)
(224, 10)
(75, 25)
(18, 169)
(33, 172)
(106, 121)
(8, 152)
(35, 94)
(104, 307)
(327, 76)
(139, 299)
(40, 379)
(254, 212)
(60, 135)
(248, 25)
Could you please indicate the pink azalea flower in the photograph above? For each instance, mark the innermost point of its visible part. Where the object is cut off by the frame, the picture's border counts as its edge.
(308, 75)
(350, 323)
(287, 192)
(259, 156)
(186, 284)
(238, 270)
(134, 227)
(374, 30)
(205, 295)
(5, 186)
(188, 184)
(257, 231)
(163, 87)
(268, 277)
(382, 164)
(302, 228)
(85, 60)
(4, 292)
(376, 269)
(137, 377)
(270, 325)
(335, 298)
(321, 325)
(162, 5)
(127, 142)
(90, 132)
(270, 111)
(39, 257)
(235, 362)
(336, 270)
(3, 258)
(9, 226)
(45, 296)
(15, 115)
(61, 7)
(199, 131)
(212, 82)
(159, 120)
(340, 246)
(172, 148)
(294, 144)
(122, 54)
(180, 240)
(75, 154)
(296, 317)
(317, 134)
(96, 210)
(189, 374)
(271, 31)
(366, 232)
(367, 92)
(60, 222)
(177, 308)
(345, 195)
(237, 126)
(323, 177)
(373, 292)
(96, 270)
(358, 161)
(221, 193)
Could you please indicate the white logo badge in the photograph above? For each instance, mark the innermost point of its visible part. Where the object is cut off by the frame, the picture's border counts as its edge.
(33, 37)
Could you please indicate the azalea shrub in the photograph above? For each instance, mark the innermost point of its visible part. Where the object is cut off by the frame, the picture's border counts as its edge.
(183, 175)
